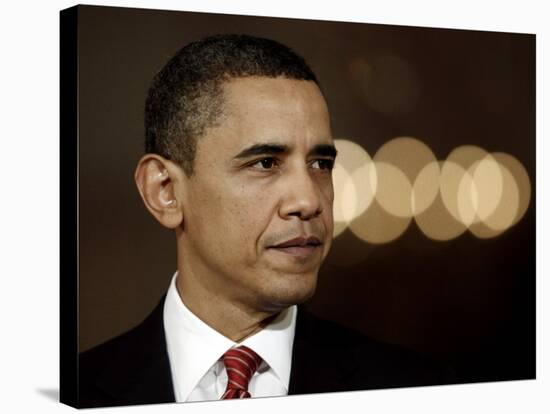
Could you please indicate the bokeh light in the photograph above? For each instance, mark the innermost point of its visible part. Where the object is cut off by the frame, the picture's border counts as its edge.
(437, 223)
(377, 226)
(458, 193)
(444, 219)
(411, 157)
(409, 154)
(505, 212)
(487, 180)
(485, 193)
(394, 191)
(357, 193)
(466, 155)
(518, 171)
(425, 187)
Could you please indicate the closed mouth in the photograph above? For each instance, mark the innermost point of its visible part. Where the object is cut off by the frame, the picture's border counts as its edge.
(298, 246)
(310, 241)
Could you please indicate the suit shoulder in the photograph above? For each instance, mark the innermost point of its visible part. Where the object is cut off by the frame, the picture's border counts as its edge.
(112, 368)
(381, 363)
(110, 351)
(100, 363)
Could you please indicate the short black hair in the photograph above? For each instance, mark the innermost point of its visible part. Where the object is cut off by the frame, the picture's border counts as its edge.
(186, 96)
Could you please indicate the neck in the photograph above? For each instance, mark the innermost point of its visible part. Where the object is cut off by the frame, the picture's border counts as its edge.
(232, 319)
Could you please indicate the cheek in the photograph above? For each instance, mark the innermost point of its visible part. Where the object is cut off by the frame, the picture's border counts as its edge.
(232, 216)
(328, 218)
(327, 190)
(328, 198)
(246, 214)
(329, 222)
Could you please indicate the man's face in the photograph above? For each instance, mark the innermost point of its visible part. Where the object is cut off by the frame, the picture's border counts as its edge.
(258, 209)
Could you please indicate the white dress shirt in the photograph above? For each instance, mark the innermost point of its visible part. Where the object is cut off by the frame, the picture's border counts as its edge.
(194, 350)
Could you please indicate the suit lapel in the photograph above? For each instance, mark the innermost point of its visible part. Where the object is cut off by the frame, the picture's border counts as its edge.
(317, 365)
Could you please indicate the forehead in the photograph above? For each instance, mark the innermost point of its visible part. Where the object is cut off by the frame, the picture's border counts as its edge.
(273, 94)
(259, 109)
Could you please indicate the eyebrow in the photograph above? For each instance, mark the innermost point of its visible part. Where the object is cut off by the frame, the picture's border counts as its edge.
(324, 150)
(262, 149)
(274, 149)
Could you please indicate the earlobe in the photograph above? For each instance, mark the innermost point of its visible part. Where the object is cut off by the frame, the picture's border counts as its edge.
(157, 180)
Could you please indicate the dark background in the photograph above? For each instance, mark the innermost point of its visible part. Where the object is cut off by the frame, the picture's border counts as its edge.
(468, 301)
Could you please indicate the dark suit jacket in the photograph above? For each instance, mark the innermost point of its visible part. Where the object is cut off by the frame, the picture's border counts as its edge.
(133, 368)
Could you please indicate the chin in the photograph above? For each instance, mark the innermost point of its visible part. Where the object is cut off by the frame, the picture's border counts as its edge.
(295, 293)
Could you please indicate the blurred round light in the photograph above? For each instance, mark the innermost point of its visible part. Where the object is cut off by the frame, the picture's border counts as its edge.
(351, 155)
(487, 180)
(377, 226)
(437, 223)
(521, 178)
(472, 189)
(394, 191)
(458, 193)
(411, 156)
(425, 187)
(466, 155)
(358, 191)
(504, 214)
(467, 199)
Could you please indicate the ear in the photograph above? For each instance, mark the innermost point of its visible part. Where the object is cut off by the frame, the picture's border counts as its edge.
(157, 179)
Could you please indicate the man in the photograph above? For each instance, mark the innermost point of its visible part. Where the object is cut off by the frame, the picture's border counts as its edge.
(238, 163)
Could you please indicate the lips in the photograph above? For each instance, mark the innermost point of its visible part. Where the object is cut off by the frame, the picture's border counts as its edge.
(311, 241)
(298, 246)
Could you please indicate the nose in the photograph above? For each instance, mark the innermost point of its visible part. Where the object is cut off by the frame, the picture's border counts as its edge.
(302, 196)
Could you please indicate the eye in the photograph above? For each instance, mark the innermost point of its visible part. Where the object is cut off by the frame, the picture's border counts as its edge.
(265, 163)
(323, 164)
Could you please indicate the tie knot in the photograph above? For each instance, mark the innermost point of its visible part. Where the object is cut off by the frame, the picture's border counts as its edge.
(240, 363)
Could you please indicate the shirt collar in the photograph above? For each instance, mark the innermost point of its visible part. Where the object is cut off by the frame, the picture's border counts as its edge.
(194, 347)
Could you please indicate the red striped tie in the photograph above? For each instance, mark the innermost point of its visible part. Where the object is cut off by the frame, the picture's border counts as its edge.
(240, 363)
